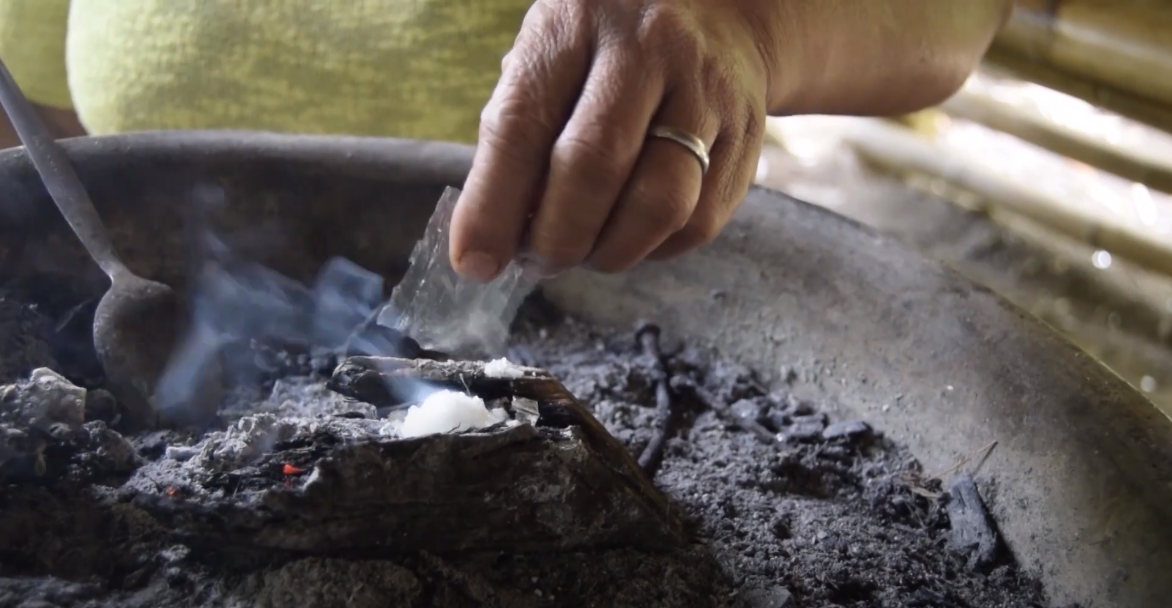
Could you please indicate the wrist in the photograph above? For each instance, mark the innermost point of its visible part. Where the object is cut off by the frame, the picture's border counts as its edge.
(776, 39)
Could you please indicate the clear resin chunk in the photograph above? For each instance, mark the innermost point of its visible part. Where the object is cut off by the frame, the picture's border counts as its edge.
(441, 310)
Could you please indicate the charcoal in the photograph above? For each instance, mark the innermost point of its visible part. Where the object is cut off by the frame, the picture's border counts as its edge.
(847, 430)
(799, 407)
(101, 405)
(35, 414)
(335, 583)
(355, 484)
(805, 429)
(748, 409)
(972, 532)
(800, 516)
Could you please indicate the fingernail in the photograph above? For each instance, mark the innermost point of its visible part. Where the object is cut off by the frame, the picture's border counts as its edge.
(478, 265)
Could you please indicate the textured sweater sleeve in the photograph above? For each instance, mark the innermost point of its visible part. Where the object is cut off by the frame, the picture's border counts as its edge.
(32, 45)
(405, 68)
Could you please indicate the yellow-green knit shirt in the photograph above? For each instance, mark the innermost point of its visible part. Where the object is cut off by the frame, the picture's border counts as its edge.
(402, 68)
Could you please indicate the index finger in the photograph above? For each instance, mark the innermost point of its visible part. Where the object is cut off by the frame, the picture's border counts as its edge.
(533, 100)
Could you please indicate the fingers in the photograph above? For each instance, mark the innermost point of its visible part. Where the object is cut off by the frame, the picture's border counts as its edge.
(592, 159)
(563, 160)
(663, 190)
(542, 78)
(734, 166)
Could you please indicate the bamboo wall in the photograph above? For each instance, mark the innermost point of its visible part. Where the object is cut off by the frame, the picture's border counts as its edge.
(1114, 53)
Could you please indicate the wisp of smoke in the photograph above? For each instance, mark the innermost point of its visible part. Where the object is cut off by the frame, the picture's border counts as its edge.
(234, 301)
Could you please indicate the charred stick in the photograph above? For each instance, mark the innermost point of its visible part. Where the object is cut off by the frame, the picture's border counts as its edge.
(652, 456)
(389, 381)
(682, 384)
(393, 382)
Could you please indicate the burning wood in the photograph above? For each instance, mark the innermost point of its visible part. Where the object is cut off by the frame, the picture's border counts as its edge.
(390, 382)
(341, 485)
(395, 382)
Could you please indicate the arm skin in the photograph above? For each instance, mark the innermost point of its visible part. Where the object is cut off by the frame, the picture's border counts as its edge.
(871, 57)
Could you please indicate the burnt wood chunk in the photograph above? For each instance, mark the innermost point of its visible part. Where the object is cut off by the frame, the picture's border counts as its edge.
(972, 531)
(339, 488)
(391, 382)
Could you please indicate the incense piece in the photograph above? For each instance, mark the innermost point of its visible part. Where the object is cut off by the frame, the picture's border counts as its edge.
(440, 309)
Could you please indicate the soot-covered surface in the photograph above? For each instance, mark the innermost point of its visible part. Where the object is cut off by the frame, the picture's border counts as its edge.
(834, 515)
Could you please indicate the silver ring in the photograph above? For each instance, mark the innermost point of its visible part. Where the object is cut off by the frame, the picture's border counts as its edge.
(694, 144)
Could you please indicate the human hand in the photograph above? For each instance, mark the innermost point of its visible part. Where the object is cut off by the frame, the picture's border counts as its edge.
(564, 159)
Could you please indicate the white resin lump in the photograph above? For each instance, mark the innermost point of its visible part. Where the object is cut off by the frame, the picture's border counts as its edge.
(503, 368)
(449, 412)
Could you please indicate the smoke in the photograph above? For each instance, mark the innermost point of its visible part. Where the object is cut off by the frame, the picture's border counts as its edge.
(235, 301)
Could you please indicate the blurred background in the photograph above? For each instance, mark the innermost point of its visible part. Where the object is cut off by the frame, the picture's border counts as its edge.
(1047, 178)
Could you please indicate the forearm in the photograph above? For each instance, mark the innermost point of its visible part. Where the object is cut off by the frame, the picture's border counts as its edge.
(872, 57)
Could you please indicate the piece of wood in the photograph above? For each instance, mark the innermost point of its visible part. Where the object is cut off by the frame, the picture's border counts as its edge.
(520, 489)
(395, 382)
(391, 381)
(339, 488)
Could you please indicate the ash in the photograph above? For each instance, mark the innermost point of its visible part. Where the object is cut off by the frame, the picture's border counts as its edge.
(834, 515)
(830, 515)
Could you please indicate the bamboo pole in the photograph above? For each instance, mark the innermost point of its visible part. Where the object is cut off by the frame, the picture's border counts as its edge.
(1117, 54)
(1152, 170)
(1126, 45)
(1119, 101)
(901, 151)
